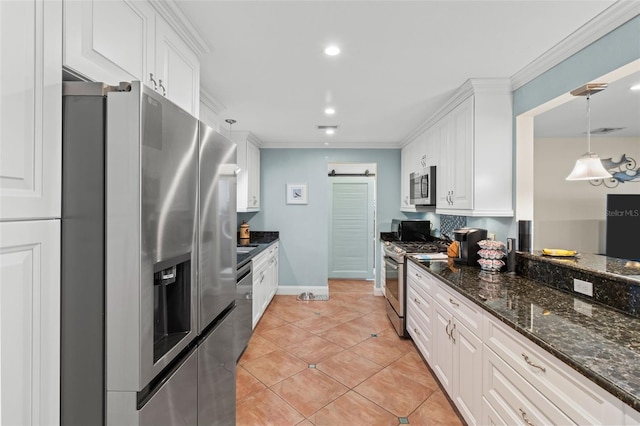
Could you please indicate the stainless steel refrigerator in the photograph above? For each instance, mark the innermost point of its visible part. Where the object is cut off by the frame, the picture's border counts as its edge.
(148, 202)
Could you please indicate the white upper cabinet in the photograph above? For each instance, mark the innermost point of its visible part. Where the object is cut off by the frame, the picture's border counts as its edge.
(248, 196)
(123, 40)
(469, 140)
(406, 168)
(177, 68)
(421, 152)
(455, 179)
(30, 109)
(475, 176)
(109, 41)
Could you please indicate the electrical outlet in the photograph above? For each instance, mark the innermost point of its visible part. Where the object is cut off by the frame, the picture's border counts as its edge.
(583, 287)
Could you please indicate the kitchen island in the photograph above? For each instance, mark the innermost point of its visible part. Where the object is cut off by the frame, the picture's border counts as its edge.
(601, 343)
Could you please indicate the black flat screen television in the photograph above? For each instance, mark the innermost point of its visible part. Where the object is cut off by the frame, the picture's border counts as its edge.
(623, 226)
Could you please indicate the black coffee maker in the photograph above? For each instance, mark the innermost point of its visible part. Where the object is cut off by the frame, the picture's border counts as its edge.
(468, 247)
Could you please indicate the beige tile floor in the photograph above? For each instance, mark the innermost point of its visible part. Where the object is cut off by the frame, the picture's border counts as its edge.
(335, 362)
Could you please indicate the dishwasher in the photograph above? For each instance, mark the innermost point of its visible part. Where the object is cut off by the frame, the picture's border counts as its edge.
(242, 324)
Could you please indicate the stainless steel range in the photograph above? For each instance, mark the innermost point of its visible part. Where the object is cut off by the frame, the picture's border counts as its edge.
(395, 254)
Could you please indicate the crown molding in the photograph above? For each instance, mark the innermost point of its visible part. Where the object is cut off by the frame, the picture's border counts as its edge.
(332, 145)
(611, 18)
(178, 20)
(211, 102)
(470, 87)
(241, 135)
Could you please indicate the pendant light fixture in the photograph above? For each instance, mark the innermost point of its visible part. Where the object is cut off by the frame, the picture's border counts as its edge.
(589, 166)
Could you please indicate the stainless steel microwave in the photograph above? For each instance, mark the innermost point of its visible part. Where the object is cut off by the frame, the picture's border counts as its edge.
(422, 187)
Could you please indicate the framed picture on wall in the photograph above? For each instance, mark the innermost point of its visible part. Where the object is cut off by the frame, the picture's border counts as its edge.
(297, 193)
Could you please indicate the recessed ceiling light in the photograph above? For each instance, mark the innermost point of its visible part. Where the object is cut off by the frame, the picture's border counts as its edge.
(635, 87)
(329, 111)
(330, 131)
(332, 50)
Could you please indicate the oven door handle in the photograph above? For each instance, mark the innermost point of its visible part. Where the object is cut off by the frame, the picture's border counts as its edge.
(390, 263)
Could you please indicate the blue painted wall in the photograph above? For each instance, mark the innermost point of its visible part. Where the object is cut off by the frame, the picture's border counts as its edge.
(304, 229)
(620, 47)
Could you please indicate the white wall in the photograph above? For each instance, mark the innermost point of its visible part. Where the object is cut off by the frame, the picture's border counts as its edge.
(572, 214)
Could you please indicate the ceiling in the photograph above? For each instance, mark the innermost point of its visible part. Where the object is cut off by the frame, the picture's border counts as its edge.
(615, 107)
(400, 60)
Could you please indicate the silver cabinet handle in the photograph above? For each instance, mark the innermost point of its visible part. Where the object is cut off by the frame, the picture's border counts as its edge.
(151, 80)
(418, 275)
(164, 91)
(416, 331)
(261, 276)
(416, 300)
(454, 303)
(451, 333)
(446, 329)
(526, 358)
(524, 417)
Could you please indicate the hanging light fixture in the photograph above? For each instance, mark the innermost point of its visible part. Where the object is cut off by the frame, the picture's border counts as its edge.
(589, 166)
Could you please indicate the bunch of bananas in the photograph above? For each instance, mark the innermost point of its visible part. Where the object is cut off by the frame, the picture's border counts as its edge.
(558, 252)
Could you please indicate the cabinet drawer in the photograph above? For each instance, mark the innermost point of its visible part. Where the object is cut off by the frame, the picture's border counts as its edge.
(418, 297)
(466, 312)
(582, 400)
(420, 279)
(514, 399)
(419, 328)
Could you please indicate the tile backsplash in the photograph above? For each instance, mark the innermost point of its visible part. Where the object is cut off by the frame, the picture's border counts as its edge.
(448, 223)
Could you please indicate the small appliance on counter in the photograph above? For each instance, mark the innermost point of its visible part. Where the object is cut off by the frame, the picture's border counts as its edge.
(412, 230)
(468, 247)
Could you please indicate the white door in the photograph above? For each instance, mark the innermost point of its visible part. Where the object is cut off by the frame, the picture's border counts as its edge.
(351, 227)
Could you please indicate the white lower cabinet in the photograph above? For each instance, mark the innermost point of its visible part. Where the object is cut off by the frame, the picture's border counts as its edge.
(493, 374)
(445, 338)
(457, 361)
(30, 322)
(565, 390)
(265, 281)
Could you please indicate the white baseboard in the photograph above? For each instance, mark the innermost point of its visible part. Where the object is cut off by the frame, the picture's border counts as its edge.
(291, 290)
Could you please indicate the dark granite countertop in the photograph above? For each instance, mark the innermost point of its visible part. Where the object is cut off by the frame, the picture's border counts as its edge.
(603, 266)
(262, 239)
(597, 341)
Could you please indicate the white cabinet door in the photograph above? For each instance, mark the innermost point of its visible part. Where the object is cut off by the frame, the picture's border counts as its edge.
(177, 68)
(123, 40)
(443, 132)
(30, 109)
(442, 352)
(109, 41)
(30, 322)
(248, 196)
(409, 164)
(467, 373)
(455, 188)
(461, 156)
(253, 200)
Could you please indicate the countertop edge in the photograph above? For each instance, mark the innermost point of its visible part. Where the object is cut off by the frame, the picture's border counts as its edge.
(244, 258)
(621, 394)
